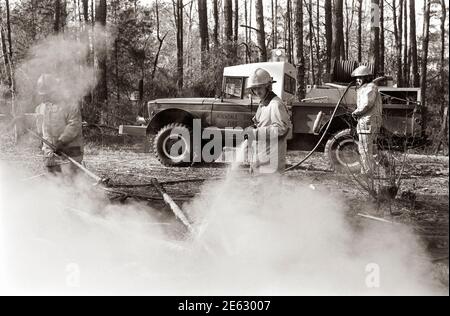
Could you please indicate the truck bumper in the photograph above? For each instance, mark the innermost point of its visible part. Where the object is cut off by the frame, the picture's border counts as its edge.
(130, 130)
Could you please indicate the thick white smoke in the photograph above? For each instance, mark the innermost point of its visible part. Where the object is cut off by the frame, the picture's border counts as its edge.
(265, 236)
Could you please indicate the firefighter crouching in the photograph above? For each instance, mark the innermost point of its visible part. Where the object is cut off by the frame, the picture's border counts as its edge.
(369, 117)
(59, 122)
(271, 129)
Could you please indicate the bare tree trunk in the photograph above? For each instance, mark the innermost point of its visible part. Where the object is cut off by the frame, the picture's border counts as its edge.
(329, 32)
(101, 90)
(228, 15)
(288, 27)
(216, 23)
(360, 31)
(338, 30)
(399, 46)
(425, 41)
(311, 50)
(276, 24)
(382, 39)
(318, 55)
(300, 55)
(178, 13)
(236, 21)
(57, 21)
(405, 46)
(5, 53)
(413, 44)
(160, 40)
(203, 26)
(86, 10)
(261, 32)
(374, 51)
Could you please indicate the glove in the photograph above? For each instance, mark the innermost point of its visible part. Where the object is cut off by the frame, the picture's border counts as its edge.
(50, 161)
(59, 145)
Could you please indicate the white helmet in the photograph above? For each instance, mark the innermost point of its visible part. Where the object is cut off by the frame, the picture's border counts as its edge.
(259, 78)
(46, 84)
(362, 71)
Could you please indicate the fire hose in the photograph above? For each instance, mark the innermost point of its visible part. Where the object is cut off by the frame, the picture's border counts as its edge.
(324, 134)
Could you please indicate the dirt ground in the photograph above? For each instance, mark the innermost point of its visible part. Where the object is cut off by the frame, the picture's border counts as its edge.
(422, 202)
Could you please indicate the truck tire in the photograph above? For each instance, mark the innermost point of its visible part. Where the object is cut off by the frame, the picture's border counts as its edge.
(167, 137)
(342, 153)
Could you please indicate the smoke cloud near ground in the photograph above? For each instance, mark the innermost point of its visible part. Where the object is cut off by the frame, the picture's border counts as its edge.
(263, 236)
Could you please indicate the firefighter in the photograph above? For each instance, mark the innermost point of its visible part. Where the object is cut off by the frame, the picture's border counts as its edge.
(271, 128)
(59, 122)
(369, 117)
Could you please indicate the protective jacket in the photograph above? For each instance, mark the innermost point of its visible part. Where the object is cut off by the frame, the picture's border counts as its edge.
(369, 109)
(272, 129)
(63, 123)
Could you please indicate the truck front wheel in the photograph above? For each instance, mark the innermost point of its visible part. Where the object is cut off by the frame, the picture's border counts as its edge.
(342, 152)
(173, 145)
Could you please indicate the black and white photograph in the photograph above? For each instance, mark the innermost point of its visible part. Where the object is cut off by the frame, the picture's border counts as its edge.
(224, 153)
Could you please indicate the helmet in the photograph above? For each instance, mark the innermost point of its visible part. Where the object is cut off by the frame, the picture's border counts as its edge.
(362, 71)
(46, 84)
(259, 78)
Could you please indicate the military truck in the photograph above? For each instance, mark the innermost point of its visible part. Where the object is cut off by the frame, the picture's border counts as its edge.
(235, 107)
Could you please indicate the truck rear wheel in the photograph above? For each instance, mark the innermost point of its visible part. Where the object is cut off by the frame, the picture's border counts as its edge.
(173, 145)
(342, 152)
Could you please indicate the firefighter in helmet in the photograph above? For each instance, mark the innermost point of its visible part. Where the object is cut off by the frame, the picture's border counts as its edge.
(369, 117)
(59, 122)
(271, 126)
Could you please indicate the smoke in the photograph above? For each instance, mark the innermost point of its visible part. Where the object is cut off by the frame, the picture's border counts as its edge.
(263, 236)
(68, 57)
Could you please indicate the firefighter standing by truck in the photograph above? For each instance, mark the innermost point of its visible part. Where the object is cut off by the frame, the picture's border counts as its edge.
(59, 122)
(369, 116)
(272, 126)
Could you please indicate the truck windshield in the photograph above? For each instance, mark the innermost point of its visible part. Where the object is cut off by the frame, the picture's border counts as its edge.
(233, 87)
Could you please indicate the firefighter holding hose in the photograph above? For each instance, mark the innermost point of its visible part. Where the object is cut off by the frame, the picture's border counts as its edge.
(59, 122)
(369, 117)
(272, 126)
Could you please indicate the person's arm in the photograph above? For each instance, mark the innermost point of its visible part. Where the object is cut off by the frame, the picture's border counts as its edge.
(74, 126)
(280, 122)
(367, 101)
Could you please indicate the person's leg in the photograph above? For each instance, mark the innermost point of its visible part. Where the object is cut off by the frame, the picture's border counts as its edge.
(365, 150)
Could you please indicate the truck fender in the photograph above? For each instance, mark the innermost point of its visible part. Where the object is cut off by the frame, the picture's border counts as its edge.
(339, 123)
(169, 116)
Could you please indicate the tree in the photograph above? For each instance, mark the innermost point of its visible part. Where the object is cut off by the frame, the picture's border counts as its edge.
(236, 21)
(374, 51)
(413, 44)
(398, 39)
(57, 25)
(425, 42)
(203, 26)
(228, 15)
(405, 45)
(311, 51)
(216, 23)
(300, 55)
(261, 33)
(329, 32)
(338, 31)
(382, 39)
(101, 90)
(178, 15)
(288, 31)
